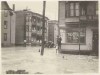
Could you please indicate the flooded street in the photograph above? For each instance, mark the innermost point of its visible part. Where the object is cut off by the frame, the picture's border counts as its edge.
(29, 59)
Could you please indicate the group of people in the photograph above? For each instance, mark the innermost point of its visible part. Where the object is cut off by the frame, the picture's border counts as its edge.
(58, 46)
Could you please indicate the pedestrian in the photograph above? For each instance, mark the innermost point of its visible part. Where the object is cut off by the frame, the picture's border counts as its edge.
(59, 39)
(25, 43)
(56, 48)
(59, 43)
(40, 45)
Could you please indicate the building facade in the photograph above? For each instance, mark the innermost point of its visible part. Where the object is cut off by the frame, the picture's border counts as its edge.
(29, 27)
(55, 32)
(52, 30)
(78, 25)
(7, 25)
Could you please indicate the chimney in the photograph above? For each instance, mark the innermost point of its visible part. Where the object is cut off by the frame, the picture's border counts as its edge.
(13, 7)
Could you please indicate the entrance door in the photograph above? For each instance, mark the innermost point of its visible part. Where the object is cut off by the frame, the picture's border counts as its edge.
(95, 42)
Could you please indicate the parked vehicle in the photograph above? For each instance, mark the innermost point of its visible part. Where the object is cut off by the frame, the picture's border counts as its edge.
(49, 44)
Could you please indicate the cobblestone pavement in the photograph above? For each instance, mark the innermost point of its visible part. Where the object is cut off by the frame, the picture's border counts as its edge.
(29, 59)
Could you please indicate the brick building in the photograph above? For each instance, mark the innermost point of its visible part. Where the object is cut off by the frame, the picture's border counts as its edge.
(56, 32)
(78, 24)
(52, 30)
(29, 27)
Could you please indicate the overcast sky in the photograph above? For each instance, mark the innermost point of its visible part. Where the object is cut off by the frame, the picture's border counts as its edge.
(37, 6)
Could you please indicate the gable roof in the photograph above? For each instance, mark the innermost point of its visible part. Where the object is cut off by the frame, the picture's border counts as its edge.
(5, 6)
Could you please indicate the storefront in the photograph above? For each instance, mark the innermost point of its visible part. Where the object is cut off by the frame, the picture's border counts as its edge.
(72, 36)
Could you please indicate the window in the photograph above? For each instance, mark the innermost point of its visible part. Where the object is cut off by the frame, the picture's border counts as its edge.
(34, 19)
(27, 28)
(27, 19)
(83, 8)
(27, 38)
(63, 33)
(5, 24)
(96, 8)
(76, 9)
(91, 9)
(5, 36)
(30, 18)
(5, 13)
(30, 39)
(73, 36)
(72, 9)
(83, 12)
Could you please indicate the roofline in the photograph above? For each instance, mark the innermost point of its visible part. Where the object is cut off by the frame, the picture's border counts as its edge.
(6, 4)
(33, 13)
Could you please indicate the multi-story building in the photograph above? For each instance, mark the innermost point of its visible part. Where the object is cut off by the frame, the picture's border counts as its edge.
(7, 25)
(29, 27)
(52, 30)
(55, 32)
(78, 24)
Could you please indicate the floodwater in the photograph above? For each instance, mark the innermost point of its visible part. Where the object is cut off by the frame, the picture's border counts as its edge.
(29, 59)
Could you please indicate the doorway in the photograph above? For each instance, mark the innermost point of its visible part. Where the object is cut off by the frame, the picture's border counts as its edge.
(95, 42)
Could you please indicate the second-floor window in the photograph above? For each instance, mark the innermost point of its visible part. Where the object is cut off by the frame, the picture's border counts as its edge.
(72, 9)
(96, 8)
(5, 24)
(76, 9)
(5, 13)
(27, 19)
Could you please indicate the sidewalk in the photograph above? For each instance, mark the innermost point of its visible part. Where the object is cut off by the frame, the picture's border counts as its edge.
(29, 59)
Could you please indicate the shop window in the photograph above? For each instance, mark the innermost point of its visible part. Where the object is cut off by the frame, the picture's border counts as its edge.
(5, 36)
(73, 36)
(63, 33)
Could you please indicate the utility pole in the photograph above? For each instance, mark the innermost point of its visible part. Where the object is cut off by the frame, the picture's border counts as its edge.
(43, 27)
(79, 33)
(25, 28)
